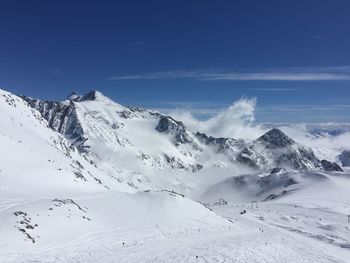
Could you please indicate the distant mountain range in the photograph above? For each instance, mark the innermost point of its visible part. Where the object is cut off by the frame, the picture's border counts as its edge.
(94, 123)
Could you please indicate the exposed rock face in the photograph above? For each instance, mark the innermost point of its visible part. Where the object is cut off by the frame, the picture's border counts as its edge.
(89, 96)
(222, 144)
(252, 157)
(299, 159)
(344, 158)
(331, 167)
(169, 125)
(275, 138)
(274, 148)
(127, 114)
(61, 117)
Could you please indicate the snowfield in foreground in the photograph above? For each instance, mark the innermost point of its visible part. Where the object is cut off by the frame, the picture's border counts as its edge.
(166, 227)
(88, 180)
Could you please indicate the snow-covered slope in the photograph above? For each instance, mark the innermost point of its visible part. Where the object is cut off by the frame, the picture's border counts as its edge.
(38, 223)
(37, 160)
(51, 193)
(262, 187)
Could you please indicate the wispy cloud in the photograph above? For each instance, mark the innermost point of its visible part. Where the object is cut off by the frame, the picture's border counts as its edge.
(184, 104)
(205, 110)
(285, 74)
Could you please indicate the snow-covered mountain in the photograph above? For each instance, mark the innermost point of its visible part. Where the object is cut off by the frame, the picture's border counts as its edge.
(273, 149)
(36, 159)
(96, 124)
(131, 144)
(276, 149)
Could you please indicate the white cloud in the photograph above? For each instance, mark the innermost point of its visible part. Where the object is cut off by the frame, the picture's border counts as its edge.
(238, 121)
(325, 146)
(276, 76)
(284, 74)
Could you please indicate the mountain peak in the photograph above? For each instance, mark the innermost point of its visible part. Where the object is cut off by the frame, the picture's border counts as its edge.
(275, 138)
(93, 95)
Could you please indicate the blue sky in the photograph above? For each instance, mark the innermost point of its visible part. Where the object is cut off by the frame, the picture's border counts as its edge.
(293, 56)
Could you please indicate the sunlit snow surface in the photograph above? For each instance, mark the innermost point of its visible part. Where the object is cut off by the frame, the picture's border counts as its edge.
(308, 226)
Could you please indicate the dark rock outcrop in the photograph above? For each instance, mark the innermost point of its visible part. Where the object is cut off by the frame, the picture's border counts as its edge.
(331, 167)
(91, 95)
(344, 158)
(167, 124)
(275, 138)
(251, 157)
(274, 148)
(222, 144)
(61, 117)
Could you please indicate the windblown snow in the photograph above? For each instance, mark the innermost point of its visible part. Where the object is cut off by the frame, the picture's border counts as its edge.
(90, 180)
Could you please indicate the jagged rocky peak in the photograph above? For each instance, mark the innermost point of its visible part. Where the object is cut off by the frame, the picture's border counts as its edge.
(275, 138)
(331, 167)
(221, 143)
(278, 151)
(210, 139)
(93, 95)
(167, 124)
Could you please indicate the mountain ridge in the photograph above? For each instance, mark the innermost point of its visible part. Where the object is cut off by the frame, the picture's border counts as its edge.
(271, 149)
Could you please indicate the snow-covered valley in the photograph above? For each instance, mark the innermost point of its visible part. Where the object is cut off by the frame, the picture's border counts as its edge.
(89, 180)
(165, 228)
